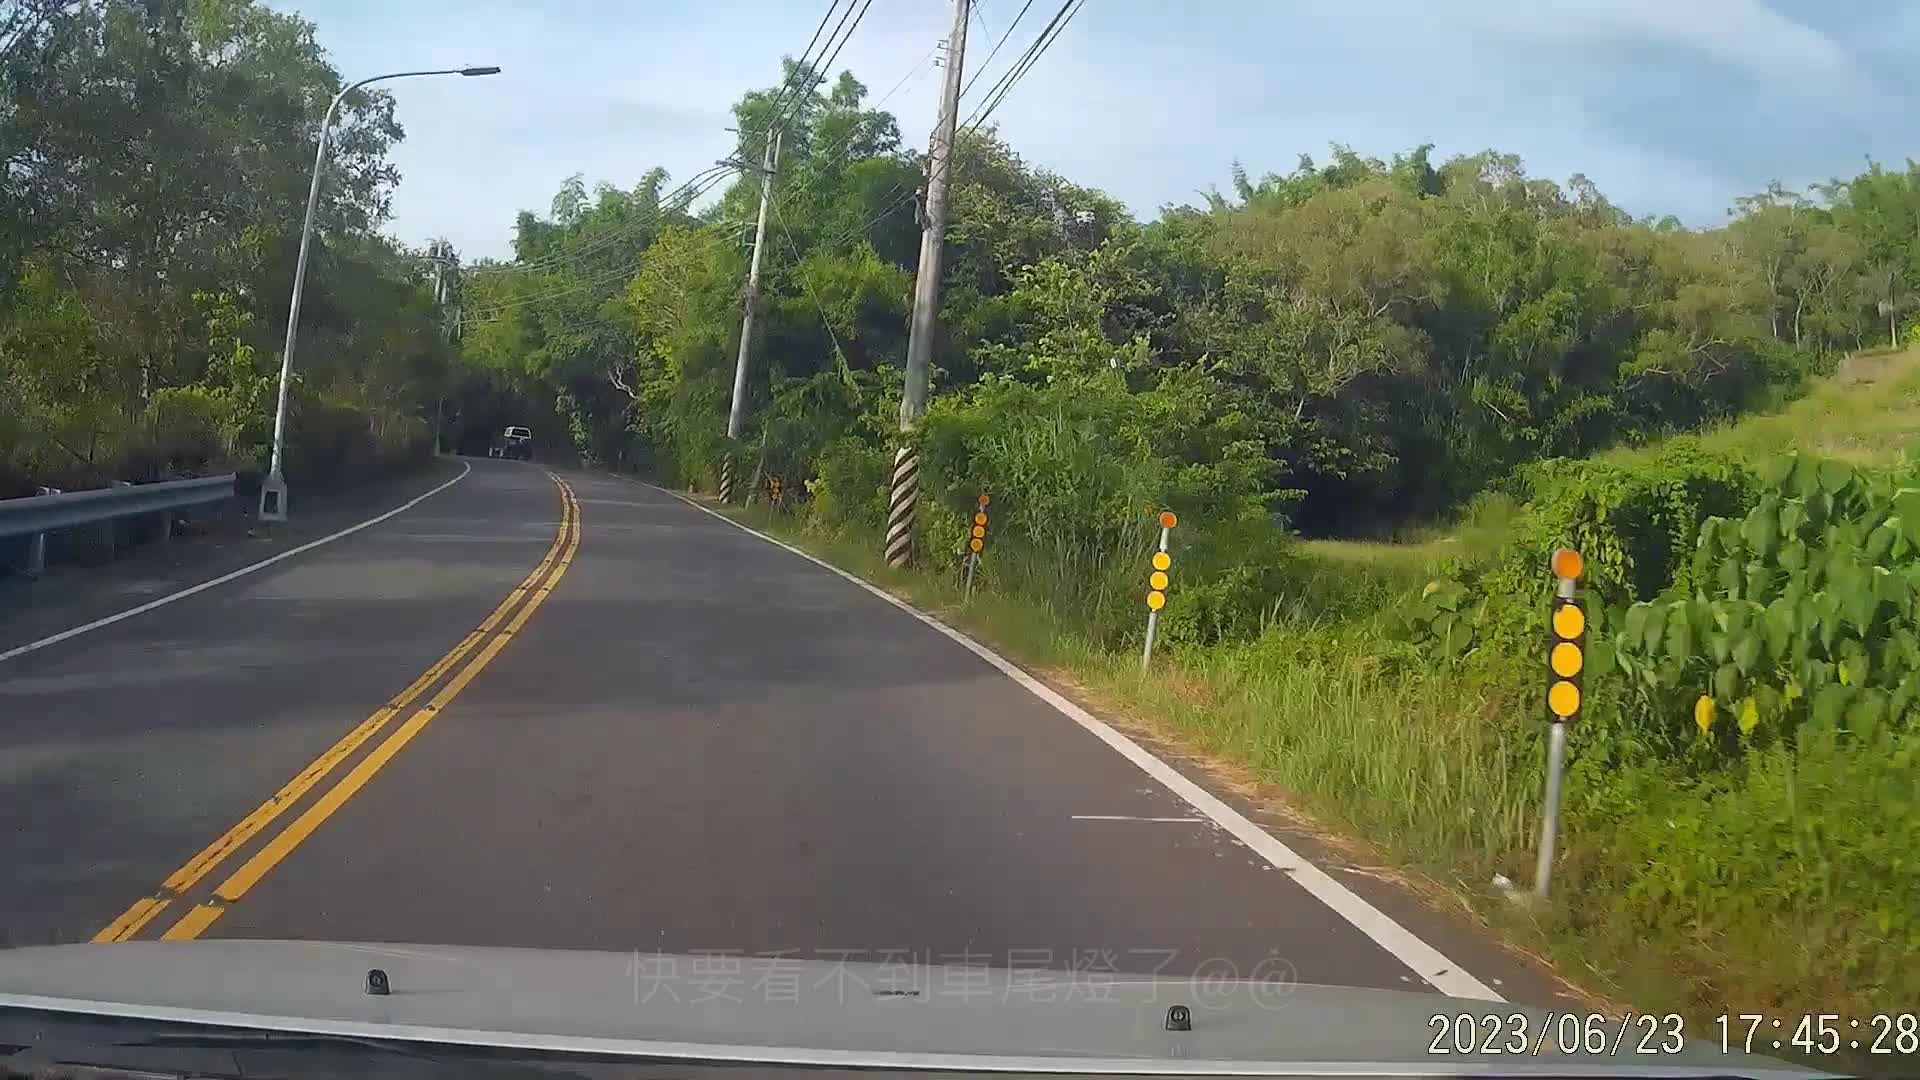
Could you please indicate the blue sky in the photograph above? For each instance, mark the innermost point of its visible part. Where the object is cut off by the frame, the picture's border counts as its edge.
(1671, 106)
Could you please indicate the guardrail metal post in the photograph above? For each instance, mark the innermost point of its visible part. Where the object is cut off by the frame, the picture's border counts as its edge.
(166, 526)
(109, 530)
(37, 544)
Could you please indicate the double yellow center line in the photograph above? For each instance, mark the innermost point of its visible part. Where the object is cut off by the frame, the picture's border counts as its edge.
(489, 638)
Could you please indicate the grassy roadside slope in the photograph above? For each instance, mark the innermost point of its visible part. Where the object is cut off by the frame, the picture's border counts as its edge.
(1436, 769)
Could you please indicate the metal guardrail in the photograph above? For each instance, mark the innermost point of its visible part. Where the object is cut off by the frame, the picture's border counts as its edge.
(39, 515)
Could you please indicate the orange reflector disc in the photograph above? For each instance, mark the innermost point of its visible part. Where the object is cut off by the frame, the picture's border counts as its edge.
(1567, 563)
(1563, 698)
(1568, 621)
(1566, 660)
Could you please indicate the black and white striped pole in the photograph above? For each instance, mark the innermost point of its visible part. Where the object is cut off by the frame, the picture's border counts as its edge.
(901, 496)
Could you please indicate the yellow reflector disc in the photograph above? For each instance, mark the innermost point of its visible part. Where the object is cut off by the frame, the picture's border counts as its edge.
(1567, 660)
(1568, 621)
(1158, 580)
(979, 519)
(977, 544)
(979, 530)
(1161, 560)
(1563, 698)
(1156, 599)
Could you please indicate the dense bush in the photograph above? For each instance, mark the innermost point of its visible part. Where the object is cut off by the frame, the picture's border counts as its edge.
(1079, 470)
(188, 428)
(1807, 609)
(1635, 519)
(331, 444)
(849, 491)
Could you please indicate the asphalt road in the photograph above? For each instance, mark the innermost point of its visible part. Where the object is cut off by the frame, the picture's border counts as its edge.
(577, 712)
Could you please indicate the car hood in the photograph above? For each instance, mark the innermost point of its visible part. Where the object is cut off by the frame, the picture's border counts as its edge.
(785, 1010)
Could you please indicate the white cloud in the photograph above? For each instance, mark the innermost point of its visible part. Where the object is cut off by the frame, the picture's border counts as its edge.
(1744, 33)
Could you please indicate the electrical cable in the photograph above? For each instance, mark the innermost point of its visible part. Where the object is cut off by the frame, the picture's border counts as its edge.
(601, 279)
(995, 51)
(819, 73)
(1048, 35)
(600, 243)
(808, 286)
(800, 65)
(665, 204)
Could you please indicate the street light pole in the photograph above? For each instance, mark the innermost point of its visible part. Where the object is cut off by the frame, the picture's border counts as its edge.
(273, 492)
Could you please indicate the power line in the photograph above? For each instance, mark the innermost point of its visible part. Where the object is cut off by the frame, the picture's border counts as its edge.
(995, 95)
(607, 240)
(911, 72)
(995, 51)
(807, 285)
(596, 279)
(840, 154)
(1048, 35)
(600, 279)
(671, 201)
(846, 147)
(782, 197)
(820, 72)
(811, 76)
(800, 65)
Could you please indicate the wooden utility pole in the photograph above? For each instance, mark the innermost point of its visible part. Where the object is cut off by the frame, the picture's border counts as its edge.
(905, 490)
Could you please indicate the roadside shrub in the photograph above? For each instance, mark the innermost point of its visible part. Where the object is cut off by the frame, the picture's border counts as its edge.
(1078, 470)
(185, 428)
(1635, 520)
(1804, 845)
(1807, 609)
(331, 444)
(849, 490)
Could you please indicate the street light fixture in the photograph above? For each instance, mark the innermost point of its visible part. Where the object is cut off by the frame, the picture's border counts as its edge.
(273, 492)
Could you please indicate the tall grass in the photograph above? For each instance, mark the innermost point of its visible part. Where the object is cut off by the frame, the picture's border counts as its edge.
(1444, 779)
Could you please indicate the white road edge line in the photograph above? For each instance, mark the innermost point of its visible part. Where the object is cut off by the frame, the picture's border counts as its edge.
(1421, 958)
(190, 590)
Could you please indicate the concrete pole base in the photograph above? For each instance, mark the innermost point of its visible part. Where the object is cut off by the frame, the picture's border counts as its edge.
(273, 499)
